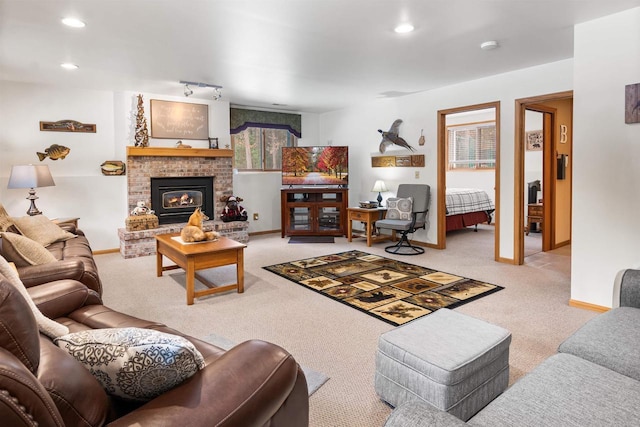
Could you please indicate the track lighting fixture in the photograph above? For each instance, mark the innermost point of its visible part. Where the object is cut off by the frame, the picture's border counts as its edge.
(217, 90)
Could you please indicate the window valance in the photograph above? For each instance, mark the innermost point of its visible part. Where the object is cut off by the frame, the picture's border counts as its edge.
(241, 119)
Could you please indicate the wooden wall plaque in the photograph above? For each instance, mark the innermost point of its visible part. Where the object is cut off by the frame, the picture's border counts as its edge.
(179, 120)
(67, 126)
(413, 160)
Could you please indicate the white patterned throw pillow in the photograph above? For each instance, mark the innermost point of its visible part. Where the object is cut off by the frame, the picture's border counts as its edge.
(134, 363)
(399, 208)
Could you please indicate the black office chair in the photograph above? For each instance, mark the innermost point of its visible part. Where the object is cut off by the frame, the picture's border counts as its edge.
(420, 196)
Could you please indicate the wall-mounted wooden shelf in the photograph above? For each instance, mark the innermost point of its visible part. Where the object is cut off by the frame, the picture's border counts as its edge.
(410, 161)
(178, 152)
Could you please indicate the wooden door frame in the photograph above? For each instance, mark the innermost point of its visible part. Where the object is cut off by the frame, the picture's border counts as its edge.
(442, 171)
(549, 170)
(521, 105)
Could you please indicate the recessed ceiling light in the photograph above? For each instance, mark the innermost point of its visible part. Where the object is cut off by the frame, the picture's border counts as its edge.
(489, 45)
(73, 22)
(69, 66)
(403, 28)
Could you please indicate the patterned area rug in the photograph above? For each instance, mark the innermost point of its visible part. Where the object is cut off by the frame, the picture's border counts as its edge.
(393, 291)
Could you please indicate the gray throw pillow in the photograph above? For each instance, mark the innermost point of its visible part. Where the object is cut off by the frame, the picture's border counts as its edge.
(399, 208)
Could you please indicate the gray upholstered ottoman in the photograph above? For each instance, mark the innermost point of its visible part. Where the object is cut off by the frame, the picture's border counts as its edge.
(455, 362)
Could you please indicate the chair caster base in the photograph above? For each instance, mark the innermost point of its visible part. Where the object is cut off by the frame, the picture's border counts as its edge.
(404, 250)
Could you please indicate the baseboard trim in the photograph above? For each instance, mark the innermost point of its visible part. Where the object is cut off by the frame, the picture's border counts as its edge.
(260, 233)
(106, 251)
(588, 306)
(424, 244)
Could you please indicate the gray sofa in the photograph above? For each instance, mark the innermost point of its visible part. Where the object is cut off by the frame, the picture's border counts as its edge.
(593, 380)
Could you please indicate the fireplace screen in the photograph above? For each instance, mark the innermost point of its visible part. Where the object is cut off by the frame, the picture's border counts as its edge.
(180, 199)
(174, 199)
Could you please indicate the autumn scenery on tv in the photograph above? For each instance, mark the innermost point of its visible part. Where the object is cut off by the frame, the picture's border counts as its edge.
(315, 165)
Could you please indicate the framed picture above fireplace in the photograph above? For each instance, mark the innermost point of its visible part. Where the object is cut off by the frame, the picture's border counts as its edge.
(179, 120)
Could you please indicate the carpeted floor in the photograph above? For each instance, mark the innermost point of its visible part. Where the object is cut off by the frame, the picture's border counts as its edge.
(390, 290)
(314, 378)
(336, 339)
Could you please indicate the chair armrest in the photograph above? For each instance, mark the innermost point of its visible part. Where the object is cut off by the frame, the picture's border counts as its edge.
(246, 386)
(421, 414)
(61, 297)
(33, 275)
(626, 289)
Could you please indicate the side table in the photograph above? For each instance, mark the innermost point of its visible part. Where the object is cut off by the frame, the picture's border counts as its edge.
(70, 220)
(369, 218)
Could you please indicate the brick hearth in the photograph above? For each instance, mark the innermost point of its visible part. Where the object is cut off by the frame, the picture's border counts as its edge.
(144, 163)
(142, 243)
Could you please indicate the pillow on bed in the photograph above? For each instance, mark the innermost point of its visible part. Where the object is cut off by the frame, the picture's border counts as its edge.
(399, 208)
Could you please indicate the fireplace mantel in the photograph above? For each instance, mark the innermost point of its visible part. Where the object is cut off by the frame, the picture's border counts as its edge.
(144, 163)
(177, 152)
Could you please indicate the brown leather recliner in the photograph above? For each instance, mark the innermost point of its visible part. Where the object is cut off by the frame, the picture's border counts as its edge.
(75, 261)
(253, 384)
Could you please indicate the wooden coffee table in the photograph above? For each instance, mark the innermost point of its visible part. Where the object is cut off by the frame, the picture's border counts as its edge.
(192, 257)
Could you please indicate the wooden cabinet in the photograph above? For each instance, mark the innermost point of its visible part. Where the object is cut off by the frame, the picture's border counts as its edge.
(314, 211)
(535, 214)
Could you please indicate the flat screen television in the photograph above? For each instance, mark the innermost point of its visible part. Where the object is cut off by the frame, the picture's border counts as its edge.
(316, 165)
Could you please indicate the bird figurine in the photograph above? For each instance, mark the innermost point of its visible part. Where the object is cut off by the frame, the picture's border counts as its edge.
(392, 138)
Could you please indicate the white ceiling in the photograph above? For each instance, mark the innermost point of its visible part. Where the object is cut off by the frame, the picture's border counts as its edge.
(305, 55)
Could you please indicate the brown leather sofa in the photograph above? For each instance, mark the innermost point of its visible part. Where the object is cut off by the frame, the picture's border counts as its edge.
(253, 384)
(75, 261)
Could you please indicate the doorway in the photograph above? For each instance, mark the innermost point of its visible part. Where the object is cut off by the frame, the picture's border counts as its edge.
(551, 208)
(444, 120)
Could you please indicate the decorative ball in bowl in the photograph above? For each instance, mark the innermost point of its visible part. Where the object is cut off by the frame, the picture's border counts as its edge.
(369, 205)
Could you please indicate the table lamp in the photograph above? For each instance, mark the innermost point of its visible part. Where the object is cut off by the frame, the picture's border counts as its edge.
(32, 177)
(379, 187)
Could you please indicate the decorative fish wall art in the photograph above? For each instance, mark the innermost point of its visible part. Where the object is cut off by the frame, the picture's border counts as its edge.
(113, 167)
(54, 152)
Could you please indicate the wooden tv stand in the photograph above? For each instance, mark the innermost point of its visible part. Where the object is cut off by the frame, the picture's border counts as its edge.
(314, 211)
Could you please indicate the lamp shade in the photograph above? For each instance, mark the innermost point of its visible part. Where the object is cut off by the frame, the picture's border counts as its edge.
(30, 176)
(379, 186)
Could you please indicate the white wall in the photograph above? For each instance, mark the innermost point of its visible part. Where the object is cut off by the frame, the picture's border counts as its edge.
(81, 190)
(358, 126)
(532, 159)
(606, 155)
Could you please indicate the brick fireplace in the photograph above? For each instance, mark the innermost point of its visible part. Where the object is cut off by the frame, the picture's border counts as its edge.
(144, 163)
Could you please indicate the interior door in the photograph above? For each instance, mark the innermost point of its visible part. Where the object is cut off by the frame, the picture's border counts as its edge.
(557, 109)
(442, 169)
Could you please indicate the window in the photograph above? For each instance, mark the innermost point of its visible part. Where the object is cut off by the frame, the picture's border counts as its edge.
(258, 137)
(257, 148)
(472, 146)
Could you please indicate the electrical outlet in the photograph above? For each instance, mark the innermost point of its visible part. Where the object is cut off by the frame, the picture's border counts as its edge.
(417, 174)
(256, 216)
